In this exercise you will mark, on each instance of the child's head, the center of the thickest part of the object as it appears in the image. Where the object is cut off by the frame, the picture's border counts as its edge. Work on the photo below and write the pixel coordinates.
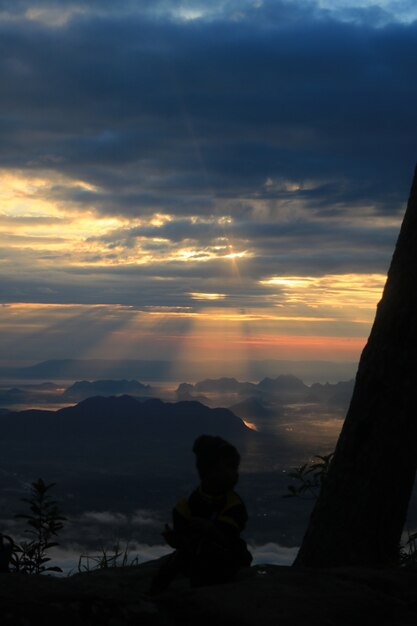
(217, 463)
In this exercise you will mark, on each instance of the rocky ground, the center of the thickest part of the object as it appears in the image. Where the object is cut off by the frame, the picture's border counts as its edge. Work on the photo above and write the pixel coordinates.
(264, 596)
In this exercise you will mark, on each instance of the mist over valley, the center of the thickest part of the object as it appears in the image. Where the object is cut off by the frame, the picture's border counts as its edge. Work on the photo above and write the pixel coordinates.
(119, 451)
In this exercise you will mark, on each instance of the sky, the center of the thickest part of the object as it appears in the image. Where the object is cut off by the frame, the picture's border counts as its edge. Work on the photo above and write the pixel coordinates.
(201, 180)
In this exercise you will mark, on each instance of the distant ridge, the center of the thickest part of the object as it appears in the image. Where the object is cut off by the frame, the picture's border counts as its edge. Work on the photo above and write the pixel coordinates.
(83, 389)
(284, 385)
(224, 385)
(165, 370)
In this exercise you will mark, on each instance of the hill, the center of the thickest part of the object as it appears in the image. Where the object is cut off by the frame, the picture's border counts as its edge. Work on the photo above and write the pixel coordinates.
(250, 399)
(122, 419)
(253, 409)
(338, 394)
(283, 384)
(224, 385)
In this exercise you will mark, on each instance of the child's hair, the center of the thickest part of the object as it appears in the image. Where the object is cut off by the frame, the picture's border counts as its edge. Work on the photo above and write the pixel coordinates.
(209, 450)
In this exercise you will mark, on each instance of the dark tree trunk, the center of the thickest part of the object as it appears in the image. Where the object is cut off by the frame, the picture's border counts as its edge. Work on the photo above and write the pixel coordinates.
(361, 511)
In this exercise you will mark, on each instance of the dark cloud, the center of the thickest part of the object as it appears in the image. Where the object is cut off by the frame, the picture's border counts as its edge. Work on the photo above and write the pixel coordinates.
(328, 233)
(157, 111)
(171, 284)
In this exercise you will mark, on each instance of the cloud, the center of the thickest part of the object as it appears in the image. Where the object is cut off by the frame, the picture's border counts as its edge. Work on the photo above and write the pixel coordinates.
(105, 517)
(152, 110)
(110, 518)
(273, 554)
(46, 12)
(154, 150)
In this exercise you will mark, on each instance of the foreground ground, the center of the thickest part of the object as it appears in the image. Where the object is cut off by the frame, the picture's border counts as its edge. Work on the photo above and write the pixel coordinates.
(263, 596)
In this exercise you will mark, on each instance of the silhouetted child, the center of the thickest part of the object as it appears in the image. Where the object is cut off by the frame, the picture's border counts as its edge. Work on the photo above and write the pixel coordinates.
(207, 525)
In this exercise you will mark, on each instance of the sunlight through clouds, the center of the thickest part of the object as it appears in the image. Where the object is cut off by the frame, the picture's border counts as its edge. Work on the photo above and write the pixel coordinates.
(180, 333)
(205, 177)
(207, 296)
(334, 291)
(44, 228)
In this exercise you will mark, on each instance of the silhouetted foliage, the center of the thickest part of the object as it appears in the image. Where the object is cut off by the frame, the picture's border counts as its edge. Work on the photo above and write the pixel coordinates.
(45, 521)
(408, 553)
(309, 477)
(117, 556)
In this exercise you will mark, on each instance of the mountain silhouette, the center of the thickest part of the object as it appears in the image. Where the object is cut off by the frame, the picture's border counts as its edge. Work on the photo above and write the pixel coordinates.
(253, 409)
(123, 419)
(83, 389)
(224, 385)
(338, 394)
(283, 384)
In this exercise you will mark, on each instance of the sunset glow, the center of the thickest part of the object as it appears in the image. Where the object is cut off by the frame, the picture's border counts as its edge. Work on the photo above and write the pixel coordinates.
(199, 206)
(156, 202)
(297, 316)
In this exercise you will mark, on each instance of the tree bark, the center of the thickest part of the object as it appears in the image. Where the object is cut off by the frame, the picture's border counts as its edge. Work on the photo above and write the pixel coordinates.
(360, 513)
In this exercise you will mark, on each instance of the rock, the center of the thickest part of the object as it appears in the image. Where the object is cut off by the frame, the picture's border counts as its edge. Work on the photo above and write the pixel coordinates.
(263, 595)
(359, 516)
